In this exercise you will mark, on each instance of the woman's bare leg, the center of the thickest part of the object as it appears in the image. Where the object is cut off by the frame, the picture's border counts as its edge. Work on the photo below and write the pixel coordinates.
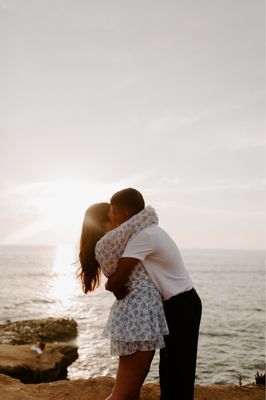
(131, 373)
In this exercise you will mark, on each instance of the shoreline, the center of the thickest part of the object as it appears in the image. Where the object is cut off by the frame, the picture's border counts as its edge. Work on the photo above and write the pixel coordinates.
(99, 388)
(17, 337)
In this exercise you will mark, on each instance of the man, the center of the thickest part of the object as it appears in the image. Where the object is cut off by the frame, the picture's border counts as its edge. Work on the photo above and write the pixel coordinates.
(155, 249)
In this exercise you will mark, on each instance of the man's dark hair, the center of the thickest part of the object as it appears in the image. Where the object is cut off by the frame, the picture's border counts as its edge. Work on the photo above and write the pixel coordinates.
(130, 199)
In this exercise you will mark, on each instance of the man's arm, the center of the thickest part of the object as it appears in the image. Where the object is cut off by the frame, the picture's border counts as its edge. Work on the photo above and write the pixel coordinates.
(136, 250)
(119, 278)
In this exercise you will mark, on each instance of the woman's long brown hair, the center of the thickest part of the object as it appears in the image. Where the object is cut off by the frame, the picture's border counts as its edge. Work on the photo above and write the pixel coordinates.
(92, 231)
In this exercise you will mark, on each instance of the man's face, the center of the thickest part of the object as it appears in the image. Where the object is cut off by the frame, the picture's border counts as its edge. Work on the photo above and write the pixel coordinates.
(118, 215)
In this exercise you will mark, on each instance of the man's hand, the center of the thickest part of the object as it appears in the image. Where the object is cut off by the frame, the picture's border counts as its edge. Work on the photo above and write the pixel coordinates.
(116, 283)
(121, 293)
(120, 277)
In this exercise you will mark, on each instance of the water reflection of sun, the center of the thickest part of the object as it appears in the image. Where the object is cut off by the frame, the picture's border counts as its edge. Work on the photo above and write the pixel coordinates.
(64, 282)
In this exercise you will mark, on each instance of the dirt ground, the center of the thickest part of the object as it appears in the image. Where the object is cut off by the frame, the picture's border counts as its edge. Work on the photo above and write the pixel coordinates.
(99, 388)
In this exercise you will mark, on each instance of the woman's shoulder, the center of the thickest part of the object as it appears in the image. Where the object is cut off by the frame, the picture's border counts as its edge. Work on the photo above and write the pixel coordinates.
(107, 239)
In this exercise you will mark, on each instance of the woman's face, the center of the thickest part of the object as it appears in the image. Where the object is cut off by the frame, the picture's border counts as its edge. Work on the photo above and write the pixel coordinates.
(108, 226)
(118, 216)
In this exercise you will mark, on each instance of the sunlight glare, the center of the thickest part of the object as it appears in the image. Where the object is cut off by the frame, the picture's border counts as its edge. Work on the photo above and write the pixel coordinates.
(64, 283)
(59, 207)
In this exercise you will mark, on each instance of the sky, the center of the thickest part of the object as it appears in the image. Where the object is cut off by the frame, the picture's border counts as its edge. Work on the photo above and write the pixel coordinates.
(164, 96)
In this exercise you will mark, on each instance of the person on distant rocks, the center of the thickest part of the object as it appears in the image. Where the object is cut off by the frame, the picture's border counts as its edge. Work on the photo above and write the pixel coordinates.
(137, 323)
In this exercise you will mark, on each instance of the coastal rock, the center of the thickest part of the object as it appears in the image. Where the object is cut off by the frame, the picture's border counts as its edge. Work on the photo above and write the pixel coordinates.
(99, 388)
(30, 331)
(25, 364)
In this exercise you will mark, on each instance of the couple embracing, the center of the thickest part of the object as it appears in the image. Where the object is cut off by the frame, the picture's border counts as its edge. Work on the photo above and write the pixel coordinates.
(156, 304)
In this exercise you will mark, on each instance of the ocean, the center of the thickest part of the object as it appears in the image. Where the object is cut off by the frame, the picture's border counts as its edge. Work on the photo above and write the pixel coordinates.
(39, 282)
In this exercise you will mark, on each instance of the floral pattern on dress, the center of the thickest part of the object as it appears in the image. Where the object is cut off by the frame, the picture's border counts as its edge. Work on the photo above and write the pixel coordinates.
(136, 322)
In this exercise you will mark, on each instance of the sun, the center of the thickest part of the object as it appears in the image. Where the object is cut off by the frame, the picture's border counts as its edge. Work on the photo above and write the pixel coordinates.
(59, 207)
(61, 200)
(62, 204)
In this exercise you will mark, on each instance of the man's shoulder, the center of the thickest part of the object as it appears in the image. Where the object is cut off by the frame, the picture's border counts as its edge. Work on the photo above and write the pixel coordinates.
(150, 231)
(156, 229)
(144, 234)
(157, 234)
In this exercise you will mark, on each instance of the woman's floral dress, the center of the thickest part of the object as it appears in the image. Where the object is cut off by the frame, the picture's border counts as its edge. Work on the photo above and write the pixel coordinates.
(136, 322)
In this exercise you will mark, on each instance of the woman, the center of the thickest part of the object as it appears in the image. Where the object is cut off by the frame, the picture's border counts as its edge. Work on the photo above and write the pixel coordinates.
(137, 323)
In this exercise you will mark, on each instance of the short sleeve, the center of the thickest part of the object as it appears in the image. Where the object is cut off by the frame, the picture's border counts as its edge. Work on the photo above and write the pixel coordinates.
(139, 247)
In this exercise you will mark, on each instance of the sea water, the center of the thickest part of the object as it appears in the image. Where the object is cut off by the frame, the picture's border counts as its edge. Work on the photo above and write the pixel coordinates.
(39, 282)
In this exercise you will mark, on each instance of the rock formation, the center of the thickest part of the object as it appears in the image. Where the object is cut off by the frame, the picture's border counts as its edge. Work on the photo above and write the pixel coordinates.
(24, 363)
(31, 331)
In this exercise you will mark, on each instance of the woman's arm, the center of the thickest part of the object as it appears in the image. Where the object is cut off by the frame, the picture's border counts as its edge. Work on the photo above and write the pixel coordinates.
(110, 247)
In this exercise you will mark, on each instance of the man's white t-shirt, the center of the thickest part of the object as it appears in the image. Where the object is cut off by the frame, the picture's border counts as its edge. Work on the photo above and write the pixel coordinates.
(162, 260)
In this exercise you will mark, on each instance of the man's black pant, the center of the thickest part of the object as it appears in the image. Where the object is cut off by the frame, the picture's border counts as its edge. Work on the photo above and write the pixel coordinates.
(178, 358)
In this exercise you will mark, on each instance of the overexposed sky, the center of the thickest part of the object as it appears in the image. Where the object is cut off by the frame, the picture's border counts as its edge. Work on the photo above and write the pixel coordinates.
(164, 96)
